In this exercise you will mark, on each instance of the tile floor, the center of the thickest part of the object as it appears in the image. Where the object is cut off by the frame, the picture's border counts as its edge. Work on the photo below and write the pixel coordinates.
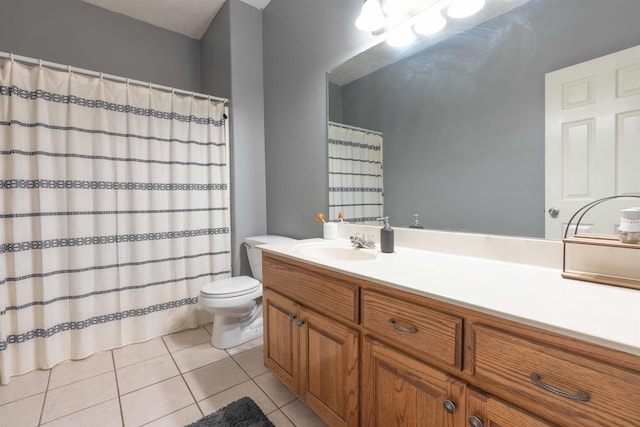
(168, 381)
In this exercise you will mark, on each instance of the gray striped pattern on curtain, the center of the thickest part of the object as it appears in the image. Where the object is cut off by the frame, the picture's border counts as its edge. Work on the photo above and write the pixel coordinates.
(355, 174)
(115, 211)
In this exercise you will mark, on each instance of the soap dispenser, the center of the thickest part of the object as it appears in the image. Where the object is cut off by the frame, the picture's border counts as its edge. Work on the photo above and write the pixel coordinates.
(386, 236)
(416, 222)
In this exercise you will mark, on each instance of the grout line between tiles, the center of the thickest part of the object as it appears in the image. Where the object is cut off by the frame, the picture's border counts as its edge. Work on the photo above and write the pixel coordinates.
(265, 392)
(115, 373)
(86, 407)
(183, 380)
(183, 348)
(221, 391)
(286, 416)
(147, 385)
(166, 415)
(255, 383)
(44, 400)
(79, 410)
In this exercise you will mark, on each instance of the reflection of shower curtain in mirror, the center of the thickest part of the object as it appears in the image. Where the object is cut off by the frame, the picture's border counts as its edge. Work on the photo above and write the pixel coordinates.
(114, 211)
(355, 174)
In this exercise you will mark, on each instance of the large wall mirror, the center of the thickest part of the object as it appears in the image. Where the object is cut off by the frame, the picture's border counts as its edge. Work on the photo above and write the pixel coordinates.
(462, 116)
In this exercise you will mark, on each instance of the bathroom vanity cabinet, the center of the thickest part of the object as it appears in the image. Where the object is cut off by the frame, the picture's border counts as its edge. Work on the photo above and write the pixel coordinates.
(315, 355)
(363, 353)
(401, 390)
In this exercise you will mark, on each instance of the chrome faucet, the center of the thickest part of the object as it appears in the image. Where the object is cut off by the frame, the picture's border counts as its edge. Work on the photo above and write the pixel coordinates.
(363, 241)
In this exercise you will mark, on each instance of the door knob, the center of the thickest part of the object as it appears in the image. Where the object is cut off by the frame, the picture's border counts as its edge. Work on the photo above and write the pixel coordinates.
(553, 212)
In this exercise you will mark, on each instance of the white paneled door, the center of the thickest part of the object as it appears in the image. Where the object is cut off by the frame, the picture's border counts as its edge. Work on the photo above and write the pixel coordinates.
(592, 141)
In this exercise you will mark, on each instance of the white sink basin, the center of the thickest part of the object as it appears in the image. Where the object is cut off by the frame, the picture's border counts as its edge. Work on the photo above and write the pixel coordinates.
(334, 252)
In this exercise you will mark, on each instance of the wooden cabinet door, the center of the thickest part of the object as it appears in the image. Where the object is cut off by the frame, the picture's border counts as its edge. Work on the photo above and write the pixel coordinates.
(487, 411)
(329, 366)
(281, 339)
(398, 390)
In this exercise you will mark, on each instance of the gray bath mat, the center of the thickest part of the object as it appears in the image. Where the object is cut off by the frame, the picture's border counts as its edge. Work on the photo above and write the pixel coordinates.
(241, 413)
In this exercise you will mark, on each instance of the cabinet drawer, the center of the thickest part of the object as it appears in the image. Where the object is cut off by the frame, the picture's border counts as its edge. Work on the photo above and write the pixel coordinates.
(328, 295)
(553, 380)
(414, 327)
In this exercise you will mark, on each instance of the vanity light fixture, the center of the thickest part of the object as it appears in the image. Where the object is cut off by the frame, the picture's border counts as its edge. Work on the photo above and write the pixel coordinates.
(402, 19)
(397, 7)
(463, 8)
(429, 22)
(401, 36)
(371, 16)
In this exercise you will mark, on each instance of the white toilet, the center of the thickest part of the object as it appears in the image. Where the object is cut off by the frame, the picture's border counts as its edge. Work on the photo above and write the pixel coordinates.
(236, 302)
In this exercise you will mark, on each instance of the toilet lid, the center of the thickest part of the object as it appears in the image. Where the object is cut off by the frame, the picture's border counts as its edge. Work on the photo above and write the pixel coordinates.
(231, 287)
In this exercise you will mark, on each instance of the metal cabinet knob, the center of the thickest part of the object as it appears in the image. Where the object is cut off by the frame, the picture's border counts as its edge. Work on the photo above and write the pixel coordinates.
(475, 421)
(300, 322)
(449, 406)
(553, 212)
(292, 316)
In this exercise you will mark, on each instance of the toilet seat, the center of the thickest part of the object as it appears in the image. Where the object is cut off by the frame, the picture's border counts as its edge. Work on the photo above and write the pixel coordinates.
(230, 288)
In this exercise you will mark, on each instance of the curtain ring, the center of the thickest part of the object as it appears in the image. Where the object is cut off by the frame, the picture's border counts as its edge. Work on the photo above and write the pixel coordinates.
(101, 76)
(40, 62)
(12, 59)
(69, 68)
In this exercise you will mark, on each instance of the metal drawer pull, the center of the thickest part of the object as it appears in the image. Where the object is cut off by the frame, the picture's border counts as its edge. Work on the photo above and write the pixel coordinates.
(411, 329)
(581, 395)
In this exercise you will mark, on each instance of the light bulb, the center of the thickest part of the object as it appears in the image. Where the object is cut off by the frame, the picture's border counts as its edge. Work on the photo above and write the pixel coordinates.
(398, 7)
(401, 37)
(464, 8)
(371, 17)
(429, 23)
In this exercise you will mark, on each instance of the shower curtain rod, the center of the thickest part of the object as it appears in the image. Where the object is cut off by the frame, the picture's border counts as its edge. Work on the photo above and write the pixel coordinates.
(356, 128)
(69, 68)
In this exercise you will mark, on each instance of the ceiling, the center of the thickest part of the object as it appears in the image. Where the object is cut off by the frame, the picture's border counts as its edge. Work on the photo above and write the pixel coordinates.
(188, 17)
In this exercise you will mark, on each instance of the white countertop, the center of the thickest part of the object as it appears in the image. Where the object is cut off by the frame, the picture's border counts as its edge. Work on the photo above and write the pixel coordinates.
(537, 296)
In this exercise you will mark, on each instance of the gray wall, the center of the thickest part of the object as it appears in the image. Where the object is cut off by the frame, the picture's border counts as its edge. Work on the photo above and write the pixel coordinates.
(215, 55)
(232, 64)
(480, 124)
(74, 33)
(303, 40)
(335, 103)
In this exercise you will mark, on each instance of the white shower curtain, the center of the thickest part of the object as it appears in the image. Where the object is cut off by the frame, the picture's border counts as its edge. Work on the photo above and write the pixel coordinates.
(114, 209)
(355, 174)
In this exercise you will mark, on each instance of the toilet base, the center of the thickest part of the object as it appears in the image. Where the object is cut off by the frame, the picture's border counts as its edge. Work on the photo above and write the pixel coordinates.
(232, 331)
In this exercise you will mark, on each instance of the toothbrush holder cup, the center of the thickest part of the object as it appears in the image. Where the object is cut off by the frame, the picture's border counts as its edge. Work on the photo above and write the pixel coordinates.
(330, 230)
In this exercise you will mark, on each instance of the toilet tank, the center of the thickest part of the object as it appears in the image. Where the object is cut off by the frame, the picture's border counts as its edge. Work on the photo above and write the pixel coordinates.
(255, 254)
